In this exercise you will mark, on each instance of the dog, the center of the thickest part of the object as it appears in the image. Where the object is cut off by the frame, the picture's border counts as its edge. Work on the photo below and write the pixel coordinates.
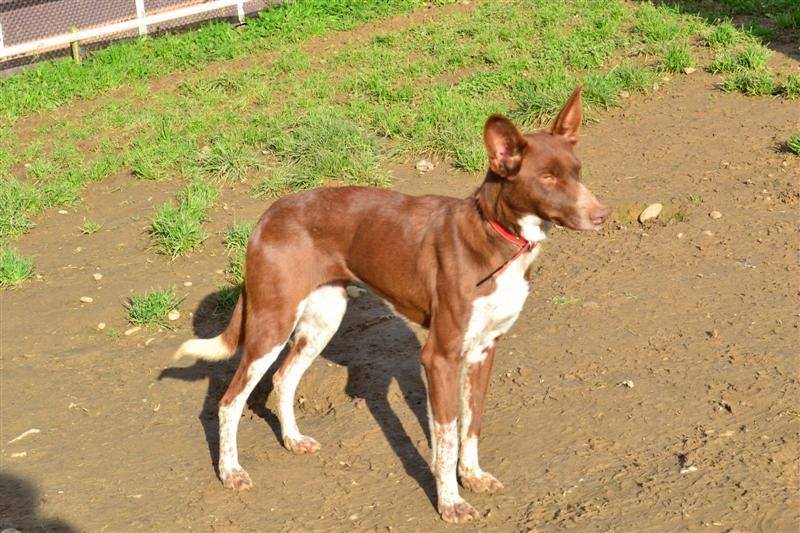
(458, 267)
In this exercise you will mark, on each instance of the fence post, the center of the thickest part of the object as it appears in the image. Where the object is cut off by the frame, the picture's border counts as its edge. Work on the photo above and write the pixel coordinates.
(75, 47)
(140, 15)
(240, 10)
(1, 41)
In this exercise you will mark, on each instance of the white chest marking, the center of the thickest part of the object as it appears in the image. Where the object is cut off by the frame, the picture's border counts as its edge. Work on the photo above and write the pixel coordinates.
(493, 314)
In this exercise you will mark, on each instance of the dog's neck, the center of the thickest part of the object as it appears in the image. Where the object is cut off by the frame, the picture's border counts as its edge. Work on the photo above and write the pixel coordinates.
(491, 204)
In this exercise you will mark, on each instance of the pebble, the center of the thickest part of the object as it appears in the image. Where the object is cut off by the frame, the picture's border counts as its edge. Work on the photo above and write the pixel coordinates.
(688, 469)
(354, 291)
(627, 383)
(187, 283)
(423, 165)
(97, 276)
(708, 233)
(131, 331)
(11, 530)
(715, 214)
(624, 94)
(174, 315)
(62, 212)
(680, 235)
(19, 454)
(87, 299)
(101, 326)
(650, 212)
(689, 70)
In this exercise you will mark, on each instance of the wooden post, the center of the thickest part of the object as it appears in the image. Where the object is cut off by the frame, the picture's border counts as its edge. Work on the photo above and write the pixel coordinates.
(140, 14)
(75, 46)
(240, 11)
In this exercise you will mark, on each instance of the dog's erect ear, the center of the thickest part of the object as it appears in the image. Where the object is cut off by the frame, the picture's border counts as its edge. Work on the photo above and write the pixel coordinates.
(568, 122)
(504, 144)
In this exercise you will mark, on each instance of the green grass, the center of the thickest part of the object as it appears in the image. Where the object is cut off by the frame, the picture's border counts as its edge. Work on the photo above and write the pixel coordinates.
(151, 308)
(299, 120)
(750, 82)
(52, 84)
(236, 245)
(88, 227)
(790, 87)
(677, 57)
(176, 230)
(794, 143)
(14, 268)
(750, 57)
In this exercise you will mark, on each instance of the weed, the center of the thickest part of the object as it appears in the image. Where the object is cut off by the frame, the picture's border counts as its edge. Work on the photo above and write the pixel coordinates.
(177, 230)
(323, 145)
(237, 237)
(14, 268)
(634, 78)
(226, 160)
(88, 227)
(724, 35)
(563, 300)
(794, 143)
(790, 88)
(676, 57)
(151, 308)
(749, 82)
(695, 198)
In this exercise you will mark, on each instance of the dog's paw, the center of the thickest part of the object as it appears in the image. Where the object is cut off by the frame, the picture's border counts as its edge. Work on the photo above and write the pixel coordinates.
(236, 479)
(481, 482)
(302, 445)
(458, 512)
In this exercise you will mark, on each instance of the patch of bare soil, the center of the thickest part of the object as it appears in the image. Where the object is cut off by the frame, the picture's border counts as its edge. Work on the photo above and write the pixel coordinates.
(658, 391)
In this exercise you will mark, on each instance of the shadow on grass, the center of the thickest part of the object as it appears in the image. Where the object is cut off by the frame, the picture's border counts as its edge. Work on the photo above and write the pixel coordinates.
(376, 347)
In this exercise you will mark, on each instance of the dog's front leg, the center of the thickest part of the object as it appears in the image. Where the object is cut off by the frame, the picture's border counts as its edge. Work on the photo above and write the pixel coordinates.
(441, 371)
(475, 376)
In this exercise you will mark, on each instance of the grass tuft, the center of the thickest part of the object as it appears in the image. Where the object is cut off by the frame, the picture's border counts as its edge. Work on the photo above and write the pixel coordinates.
(151, 308)
(794, 143)
(88, 227)
(677, 56)
(750, 82)
(14, 268)
(790, 88)
(178, 230)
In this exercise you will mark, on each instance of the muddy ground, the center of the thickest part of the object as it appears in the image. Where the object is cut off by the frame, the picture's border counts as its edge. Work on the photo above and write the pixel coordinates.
(697, 315)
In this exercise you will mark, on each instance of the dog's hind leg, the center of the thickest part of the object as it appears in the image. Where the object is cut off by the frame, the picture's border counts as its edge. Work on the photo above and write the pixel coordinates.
(323, 312)
(266, 333)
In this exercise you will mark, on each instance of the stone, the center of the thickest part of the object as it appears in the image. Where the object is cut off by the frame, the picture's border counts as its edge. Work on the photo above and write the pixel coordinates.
(174, 315)
(87, 299)
(650, 212)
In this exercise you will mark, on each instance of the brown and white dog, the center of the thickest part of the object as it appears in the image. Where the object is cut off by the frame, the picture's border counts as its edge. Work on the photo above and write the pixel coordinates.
(456, 266)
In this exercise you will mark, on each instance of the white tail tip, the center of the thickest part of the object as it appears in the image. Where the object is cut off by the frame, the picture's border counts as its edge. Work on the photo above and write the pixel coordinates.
(206, 349)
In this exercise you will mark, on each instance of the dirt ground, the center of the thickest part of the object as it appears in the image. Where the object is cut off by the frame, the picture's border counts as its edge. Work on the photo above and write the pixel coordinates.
(650, 384)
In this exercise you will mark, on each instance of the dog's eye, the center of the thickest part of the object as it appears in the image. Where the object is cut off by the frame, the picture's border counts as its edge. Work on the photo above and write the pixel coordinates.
(547, 179)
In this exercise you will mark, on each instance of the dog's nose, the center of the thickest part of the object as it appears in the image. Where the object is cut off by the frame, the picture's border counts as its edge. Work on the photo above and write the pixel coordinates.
(598, 215)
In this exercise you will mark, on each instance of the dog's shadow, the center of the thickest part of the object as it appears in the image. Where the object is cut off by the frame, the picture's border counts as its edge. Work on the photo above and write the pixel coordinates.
(375, 346)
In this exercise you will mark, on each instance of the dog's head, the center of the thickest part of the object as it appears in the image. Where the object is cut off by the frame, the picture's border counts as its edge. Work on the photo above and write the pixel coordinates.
(539, 171)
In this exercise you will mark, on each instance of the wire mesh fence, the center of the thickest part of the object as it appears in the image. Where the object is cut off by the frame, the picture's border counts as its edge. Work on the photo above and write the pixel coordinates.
(32, 30)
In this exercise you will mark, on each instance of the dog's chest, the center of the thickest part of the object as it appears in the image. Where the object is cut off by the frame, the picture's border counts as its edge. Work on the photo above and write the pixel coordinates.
(493, 314)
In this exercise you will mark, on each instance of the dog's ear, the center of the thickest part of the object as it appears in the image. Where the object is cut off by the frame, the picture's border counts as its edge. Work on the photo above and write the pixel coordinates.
(504, 144)
(568, 122)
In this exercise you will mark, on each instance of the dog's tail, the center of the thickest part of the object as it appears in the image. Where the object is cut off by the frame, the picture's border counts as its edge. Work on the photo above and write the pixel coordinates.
(223, 345)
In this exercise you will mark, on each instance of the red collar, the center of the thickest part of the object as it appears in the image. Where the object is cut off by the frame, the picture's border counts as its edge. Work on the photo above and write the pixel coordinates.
(523, 245)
